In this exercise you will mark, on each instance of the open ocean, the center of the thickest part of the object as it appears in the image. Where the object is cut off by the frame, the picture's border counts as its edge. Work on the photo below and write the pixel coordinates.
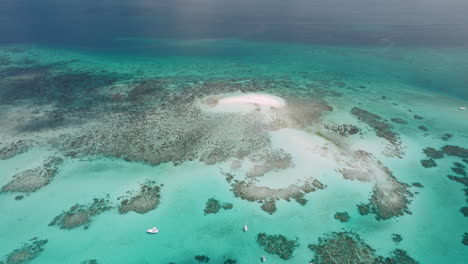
(333, 130)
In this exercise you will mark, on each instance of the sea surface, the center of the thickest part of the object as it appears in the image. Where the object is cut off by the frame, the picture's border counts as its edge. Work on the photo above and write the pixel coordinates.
(331, 129)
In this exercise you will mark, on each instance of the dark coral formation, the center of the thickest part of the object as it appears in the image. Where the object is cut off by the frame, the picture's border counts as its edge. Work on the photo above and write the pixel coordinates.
(455, 151)
(398, 256)
(34, 179)
(428, 163)
(230, 261)
(145, 200)
(382, 129)
(343, 247)
(417, 184)
(464, 211)
(267, 196)
(348, 247)
(202, 258)
(433, 153)
(277, 244)
(363, 209)
(89, 261)
(462, 180)
(465, 239)
(81, 215)
(399, 121)
(418, 117)
(27, 252)
(397, 238)
(446, 136)
(343, 130)
(213, 206)
(423, 128)
(459, 171)
(342, 216)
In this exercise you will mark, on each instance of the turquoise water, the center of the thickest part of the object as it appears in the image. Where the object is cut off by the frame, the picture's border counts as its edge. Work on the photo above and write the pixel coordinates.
(412, 81)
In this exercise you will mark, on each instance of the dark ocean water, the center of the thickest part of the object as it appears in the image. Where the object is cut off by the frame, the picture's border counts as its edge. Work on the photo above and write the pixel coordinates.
(94, 24)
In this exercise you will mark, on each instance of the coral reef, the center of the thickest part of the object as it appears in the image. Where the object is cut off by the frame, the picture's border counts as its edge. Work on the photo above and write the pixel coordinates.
(33, 179)
(27, 252)
(250, 192)
(89, 261)
(348, 247)
(277, 244)
(390, 198)
(202, 258)
(428, 163)
(213, 206)
(465, 239)
(343, 247)
(8, 151)
(446, 136)
(342, 216)
(399, 121)
(145, 200)
(81, 215)
(455, 151)
(343, 130)
(423, 128)
(397, 238)
(433, 153)
(382, 129)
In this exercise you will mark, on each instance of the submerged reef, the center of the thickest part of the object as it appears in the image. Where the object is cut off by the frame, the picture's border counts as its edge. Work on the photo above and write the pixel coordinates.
(230, 261)
(348, 247)
(27, 252)
(34, 179)
(213, 206)
(344, 130)
(399, 121)
(277, 244)
(342, 216)
(397, 238)
(8, 151)
(428, 163)
(465, 239)
(145, 200)
(455, 151)
(276, 160)
(390, 198)
(433, 153)
(382, 129)
(267, 196)
(89, 261)
(81, 215)
(343, 247)
(202, 258)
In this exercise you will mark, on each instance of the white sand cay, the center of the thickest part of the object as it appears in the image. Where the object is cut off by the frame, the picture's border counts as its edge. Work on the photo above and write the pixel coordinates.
(243, 102)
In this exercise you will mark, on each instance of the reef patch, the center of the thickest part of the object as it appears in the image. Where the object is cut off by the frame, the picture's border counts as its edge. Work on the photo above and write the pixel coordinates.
(267, 196)
(348, 247)
(27, 252)
(147, 199)
(34, 179)
(382, 129)
(81, 215)
(213, 206)
(342, 216)
(277, 244)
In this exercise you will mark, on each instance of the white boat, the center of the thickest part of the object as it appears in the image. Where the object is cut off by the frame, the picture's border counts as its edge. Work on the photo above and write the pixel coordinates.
(246, 228)
(462, 108)
(263, 258)
(153, 230)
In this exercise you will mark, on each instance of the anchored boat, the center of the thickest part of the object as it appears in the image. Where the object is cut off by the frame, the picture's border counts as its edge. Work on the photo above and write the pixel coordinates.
(153, 230)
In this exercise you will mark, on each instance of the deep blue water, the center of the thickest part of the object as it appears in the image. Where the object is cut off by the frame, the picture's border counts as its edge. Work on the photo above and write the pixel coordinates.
(94, 24)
